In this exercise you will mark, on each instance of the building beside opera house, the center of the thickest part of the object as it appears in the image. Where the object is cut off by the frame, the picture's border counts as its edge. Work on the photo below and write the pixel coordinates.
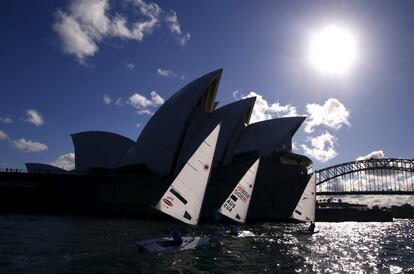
(119, 175)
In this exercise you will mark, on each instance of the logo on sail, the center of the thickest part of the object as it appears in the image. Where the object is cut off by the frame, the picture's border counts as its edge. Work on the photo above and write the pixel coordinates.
(167, 201)
(241, 193)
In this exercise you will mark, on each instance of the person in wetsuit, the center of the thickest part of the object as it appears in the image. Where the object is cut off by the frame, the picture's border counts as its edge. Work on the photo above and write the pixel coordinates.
(176, 235)
(311, 228)
(234, 230)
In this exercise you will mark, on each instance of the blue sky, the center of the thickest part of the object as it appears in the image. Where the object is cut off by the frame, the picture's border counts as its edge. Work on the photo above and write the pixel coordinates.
(60, 59)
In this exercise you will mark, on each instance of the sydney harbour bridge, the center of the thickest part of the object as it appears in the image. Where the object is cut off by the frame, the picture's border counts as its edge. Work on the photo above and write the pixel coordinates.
(367, 177)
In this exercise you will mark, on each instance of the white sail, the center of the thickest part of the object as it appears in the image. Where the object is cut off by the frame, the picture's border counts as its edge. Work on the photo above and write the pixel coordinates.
(236, 205)
(184, 197)
(305, 210)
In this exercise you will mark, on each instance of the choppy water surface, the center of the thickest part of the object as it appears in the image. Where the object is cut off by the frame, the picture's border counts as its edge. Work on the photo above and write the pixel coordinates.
(67, 244)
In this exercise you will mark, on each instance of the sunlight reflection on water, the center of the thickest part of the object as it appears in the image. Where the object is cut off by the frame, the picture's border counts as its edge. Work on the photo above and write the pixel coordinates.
(65, 244)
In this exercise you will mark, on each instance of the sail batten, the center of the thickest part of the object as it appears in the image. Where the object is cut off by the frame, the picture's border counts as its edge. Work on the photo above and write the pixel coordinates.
(237, 204)
(184, 198)
(305, 209)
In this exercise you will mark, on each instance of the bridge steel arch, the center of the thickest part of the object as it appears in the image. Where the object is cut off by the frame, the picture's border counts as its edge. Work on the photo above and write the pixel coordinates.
(390, 168)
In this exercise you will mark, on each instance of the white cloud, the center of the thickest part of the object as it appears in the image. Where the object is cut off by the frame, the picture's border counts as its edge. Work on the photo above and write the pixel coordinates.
(295, 147)
(85, 23)
(332, 114)
(75, 40)
(130, 66)
(264, 111)
(106, 99)
(175, 28)
(6, 120)
(379, 154)
(166, 73)
(142, 103)
(28, 145)
(322, 147)
(156, 98)
(34, 117)
(3, 135)
(139, 101)
(65, 161)
(119, 102)
(145, 111)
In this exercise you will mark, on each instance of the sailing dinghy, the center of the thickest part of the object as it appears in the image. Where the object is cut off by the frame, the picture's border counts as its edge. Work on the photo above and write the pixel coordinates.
(305, 209)
(237, 204)
(184, 198)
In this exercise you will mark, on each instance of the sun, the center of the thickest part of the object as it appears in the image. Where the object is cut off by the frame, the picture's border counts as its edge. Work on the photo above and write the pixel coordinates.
(333, 50)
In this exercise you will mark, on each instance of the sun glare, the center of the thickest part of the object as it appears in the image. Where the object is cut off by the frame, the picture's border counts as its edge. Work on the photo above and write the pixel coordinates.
(333, 50)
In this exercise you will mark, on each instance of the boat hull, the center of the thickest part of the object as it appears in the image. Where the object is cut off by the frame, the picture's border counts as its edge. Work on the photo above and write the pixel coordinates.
(164, 244)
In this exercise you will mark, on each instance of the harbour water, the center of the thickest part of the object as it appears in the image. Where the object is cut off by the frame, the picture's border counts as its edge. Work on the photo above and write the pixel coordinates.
(72, 244)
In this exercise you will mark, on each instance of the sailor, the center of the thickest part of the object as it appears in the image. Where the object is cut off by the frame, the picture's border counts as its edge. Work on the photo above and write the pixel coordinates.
(176, 235)
(311, 228)
(234, 230)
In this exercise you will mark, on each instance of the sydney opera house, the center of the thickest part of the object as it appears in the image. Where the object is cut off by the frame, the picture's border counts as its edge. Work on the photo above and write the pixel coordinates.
(116, 174)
